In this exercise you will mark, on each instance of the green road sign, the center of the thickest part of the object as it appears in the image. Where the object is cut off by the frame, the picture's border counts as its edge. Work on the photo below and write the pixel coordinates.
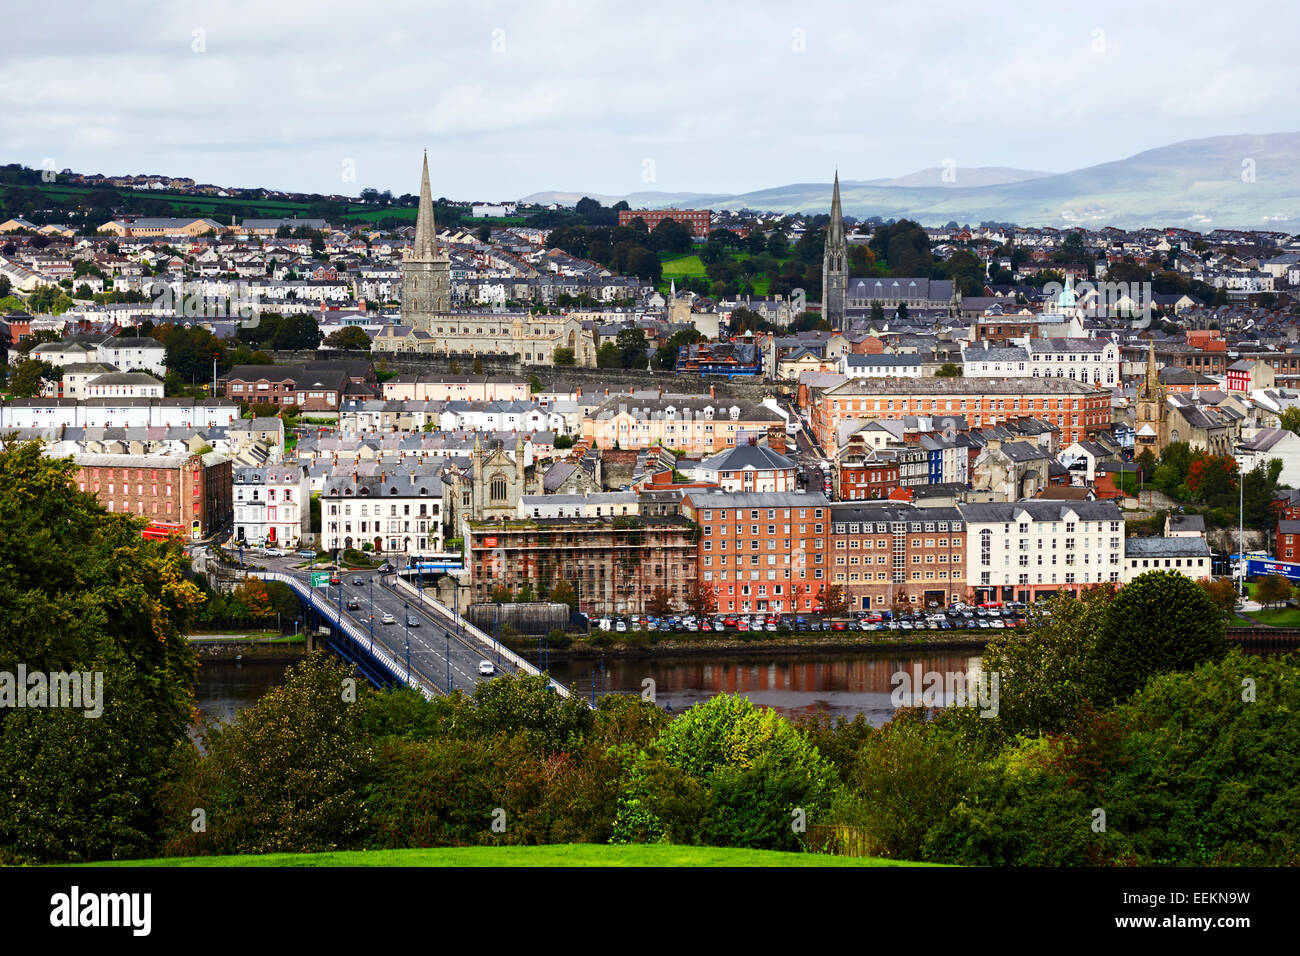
(320, 579)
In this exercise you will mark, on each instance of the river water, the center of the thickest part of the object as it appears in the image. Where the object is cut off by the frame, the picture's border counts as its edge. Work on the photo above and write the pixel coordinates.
(841, 684)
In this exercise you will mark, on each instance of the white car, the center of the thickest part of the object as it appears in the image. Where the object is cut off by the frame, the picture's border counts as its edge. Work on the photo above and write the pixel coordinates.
(389, 619)
(486, 668)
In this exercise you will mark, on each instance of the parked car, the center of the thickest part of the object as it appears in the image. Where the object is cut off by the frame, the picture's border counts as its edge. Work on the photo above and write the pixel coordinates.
(621, 626)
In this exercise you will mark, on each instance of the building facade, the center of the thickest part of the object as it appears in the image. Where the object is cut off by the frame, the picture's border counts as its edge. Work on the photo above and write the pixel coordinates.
(890, 555)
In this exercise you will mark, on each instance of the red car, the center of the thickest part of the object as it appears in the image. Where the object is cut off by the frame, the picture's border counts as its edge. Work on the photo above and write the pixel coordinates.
(335, 579)
(838, 626)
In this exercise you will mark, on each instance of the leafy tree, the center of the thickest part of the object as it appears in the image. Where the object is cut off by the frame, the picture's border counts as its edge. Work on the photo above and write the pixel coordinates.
(297, 333)
(1162, 621)
(1290, 419)
(286, 776)
(563, 593)
(563, 441)
(1044, 677)
(660, 603)
(350, 338)
(699, 599)
(757, 767)
(609, 356)
(564, 356)
(1222, 592)
(948, 370)
(28, 377)
(666, 357)
(834, 600)
(534, 384)
(631, 348)
(1273, 589)
(80, 590)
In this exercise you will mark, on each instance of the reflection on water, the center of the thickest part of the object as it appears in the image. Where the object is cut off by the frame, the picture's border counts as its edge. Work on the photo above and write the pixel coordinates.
(227, 687)
(841, 686)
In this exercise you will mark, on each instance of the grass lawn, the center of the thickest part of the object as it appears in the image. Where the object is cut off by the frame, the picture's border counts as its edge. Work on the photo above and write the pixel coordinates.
(1277, 617)
(690, 267)
(580, 854)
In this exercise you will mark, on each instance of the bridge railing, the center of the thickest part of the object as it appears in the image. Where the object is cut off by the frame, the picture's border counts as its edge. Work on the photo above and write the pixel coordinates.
(359, 637)
(469, 629)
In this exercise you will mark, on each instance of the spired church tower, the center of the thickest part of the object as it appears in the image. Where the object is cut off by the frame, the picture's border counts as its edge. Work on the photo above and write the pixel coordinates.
(835, 265)
(1151, 415)
(426, 269)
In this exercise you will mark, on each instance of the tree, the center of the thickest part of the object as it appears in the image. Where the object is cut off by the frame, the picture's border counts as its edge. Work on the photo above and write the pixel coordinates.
(948, 370)
(1160, 622)
(1222, 592)
(1044, 667)
(660, 603)
(834, 600)
(28, 377)
(297, 333)
(1290, 419)
(631, 348)
(877, 312)
(5, 286)
(563, 356)
(1273, 589)
(84, 592)
(666, 357)
(454, 367)
(563, 593)
(351, 338)
(563, 441)
(757, 768)
(700, 600)
(534, 384)
(608, 356)
(286, 776)
(477, 368)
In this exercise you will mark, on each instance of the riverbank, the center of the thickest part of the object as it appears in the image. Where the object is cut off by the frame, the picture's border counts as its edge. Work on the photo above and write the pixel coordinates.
(835, 643)
(263, 646)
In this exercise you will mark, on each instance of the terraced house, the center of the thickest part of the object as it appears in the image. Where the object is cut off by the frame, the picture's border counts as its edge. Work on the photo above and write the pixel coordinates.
(696, 424)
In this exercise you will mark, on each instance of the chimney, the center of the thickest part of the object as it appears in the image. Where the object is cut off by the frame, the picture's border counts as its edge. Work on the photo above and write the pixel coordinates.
(383, 477)
(607, 393)
(711, 393)
(580, 391)
(354, 477)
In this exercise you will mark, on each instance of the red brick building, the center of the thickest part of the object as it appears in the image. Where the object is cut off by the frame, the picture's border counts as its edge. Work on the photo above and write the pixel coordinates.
(887, 554)
(697, 220)
(192, 490)
(762, 552)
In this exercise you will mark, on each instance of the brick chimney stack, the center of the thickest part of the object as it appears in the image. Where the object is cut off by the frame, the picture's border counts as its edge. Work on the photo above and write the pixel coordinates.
(776, 439)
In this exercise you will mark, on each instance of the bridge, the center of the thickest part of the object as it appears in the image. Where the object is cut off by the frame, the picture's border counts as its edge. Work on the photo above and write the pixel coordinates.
(428, 646)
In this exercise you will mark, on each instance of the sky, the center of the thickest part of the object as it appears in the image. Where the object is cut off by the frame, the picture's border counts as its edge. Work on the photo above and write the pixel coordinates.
(622, 97)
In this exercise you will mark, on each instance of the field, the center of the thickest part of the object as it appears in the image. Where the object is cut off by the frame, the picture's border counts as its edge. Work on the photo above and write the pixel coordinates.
(580, 854)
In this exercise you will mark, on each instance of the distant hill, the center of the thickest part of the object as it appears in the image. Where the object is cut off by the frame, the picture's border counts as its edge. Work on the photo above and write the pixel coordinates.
(646, 200)
(1196, 184)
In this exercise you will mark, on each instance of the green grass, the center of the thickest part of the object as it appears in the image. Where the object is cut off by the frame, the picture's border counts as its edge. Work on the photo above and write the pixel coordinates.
(580, 854)
(1277, 617)
(684, 267)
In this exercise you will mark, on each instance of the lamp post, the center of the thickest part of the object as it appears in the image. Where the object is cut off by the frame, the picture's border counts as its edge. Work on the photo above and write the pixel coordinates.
(407, 617)
(447, 634)
(1241, 534)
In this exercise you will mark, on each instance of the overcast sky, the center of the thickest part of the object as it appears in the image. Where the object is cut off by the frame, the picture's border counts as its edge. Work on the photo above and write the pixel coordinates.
(705, 96)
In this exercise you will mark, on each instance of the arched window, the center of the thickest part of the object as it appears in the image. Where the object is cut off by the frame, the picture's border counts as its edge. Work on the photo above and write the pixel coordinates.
(498, 492)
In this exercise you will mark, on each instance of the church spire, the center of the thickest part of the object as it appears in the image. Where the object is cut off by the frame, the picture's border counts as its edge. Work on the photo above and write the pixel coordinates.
(835, 232)
(425, 247)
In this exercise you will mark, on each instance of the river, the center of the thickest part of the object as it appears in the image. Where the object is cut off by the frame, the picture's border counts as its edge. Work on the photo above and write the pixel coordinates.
(840, 684)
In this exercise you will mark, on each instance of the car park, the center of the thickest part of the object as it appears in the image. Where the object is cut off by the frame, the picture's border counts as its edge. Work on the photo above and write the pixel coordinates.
(621, 626)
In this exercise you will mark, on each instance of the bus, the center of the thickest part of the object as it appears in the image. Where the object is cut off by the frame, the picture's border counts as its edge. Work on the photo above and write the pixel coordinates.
(162, 530)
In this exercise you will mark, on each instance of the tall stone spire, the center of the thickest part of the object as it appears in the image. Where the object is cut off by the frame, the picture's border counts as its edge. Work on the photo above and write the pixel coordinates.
(426, 270)
(425, 247)
(835, 261)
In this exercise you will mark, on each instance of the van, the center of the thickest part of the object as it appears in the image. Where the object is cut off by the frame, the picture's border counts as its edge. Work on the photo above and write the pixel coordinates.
(604, 624)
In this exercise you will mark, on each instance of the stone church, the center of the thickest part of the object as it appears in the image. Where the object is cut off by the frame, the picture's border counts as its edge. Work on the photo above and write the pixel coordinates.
(1150, 410)
(430, 325)
(835, 264)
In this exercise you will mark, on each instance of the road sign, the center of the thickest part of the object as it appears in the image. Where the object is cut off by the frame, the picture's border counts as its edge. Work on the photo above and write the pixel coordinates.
(320, 579)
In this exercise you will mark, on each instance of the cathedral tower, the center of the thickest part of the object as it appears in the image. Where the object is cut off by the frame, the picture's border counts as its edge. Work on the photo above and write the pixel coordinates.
(835, 264)
(426, 269)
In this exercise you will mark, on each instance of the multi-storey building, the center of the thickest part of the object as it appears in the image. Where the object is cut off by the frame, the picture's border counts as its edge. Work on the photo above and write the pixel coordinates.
(399, 512)
(696, 424)
(1020, 550)
(448, 388)
(269, 506)
(615, 564)
(761, 552)
(1095, 361)
(749, 467)
(886, 554)
(1077, 409)
(697, 220)
(191, 490)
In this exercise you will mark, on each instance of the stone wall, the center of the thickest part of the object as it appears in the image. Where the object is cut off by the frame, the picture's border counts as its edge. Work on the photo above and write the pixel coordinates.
(591, 379)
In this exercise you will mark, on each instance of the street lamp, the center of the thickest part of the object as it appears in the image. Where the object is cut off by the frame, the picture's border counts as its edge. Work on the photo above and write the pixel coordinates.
(447, 651)
(407, 617)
